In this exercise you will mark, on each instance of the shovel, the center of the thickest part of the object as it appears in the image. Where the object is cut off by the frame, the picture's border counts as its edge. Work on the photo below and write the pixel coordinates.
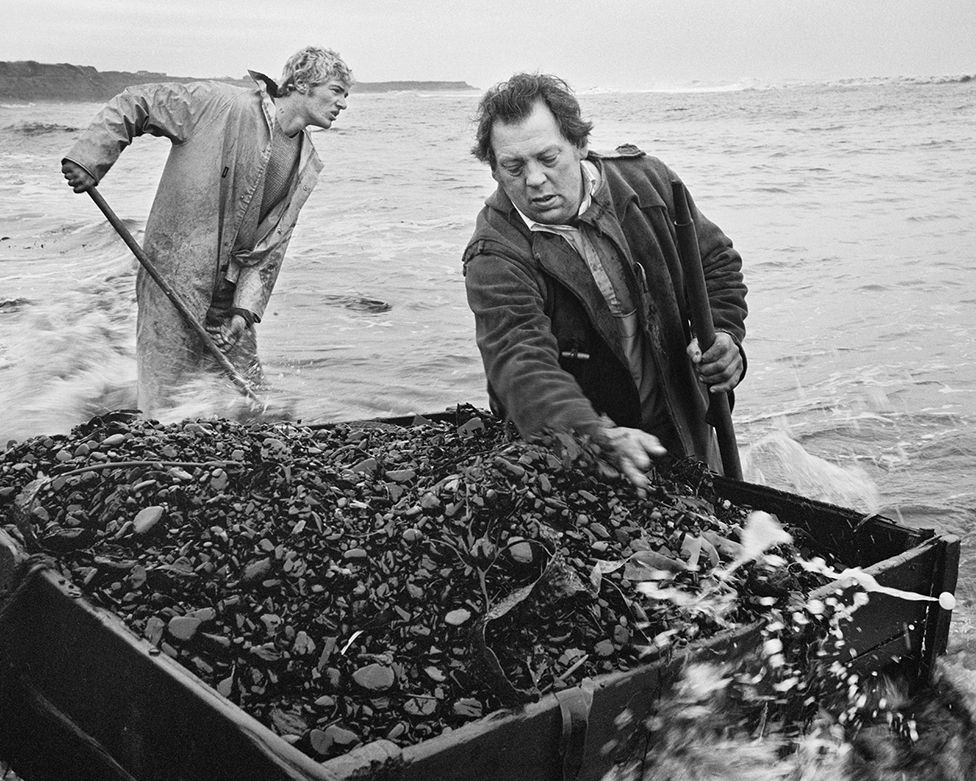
(701, 316)
(241, 384)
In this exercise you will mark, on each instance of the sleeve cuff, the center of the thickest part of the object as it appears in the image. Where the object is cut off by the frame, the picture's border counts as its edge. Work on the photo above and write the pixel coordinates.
(247, 314)
(84, 168)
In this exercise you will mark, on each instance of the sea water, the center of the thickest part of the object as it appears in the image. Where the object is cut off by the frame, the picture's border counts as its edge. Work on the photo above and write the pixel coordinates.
(851, 203)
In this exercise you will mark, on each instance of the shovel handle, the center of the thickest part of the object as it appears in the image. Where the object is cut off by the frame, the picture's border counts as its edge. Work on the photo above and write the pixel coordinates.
(701, 316)
(241, 384)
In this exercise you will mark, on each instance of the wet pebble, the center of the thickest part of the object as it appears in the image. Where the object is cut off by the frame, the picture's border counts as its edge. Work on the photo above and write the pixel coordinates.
(375, 677)
(183, 627)
(147, 518)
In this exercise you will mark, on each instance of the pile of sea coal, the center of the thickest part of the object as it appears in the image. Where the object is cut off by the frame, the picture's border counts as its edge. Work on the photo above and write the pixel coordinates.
(365, 581)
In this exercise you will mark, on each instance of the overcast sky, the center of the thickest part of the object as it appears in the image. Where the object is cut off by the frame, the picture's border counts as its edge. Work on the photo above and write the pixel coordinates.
(614, 44)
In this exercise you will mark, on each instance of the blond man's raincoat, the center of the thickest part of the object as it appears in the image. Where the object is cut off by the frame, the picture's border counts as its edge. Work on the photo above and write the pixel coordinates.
(207, 203)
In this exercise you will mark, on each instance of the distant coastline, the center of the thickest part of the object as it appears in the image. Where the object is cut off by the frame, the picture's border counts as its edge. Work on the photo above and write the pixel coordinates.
(31, 82)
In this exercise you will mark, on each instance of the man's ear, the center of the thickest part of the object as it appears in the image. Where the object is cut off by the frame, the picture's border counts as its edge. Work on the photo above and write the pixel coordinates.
(584, 150)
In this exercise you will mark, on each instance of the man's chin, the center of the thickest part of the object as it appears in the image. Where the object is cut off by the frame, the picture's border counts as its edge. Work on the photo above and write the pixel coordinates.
(552, 216)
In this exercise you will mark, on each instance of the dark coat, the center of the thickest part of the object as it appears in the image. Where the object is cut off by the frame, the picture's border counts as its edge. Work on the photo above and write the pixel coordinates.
(538, 310)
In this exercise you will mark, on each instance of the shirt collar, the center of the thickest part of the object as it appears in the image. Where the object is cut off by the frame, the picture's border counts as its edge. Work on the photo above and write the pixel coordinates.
(591, 181)
(265, 82)
(267, 90)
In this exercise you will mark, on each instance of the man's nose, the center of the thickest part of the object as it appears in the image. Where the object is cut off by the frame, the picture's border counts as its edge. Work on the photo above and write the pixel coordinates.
(535, 175)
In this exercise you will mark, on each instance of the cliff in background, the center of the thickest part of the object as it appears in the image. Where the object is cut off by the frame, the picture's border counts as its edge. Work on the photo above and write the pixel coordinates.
(31, 81)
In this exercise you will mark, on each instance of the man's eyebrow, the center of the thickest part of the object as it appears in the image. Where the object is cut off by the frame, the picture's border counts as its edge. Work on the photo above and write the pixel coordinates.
(509, 159)
(512, 158)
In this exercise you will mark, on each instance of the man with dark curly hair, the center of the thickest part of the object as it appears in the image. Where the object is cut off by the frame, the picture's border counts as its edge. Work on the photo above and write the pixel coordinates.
(242, 165)
(576, 285)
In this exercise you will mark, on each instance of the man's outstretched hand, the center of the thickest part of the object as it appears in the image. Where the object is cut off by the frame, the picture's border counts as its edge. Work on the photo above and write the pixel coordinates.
(631, 451)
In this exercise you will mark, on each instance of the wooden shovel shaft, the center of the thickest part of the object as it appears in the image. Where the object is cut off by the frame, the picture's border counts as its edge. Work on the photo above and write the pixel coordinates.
(173, 296)
(701, 317)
